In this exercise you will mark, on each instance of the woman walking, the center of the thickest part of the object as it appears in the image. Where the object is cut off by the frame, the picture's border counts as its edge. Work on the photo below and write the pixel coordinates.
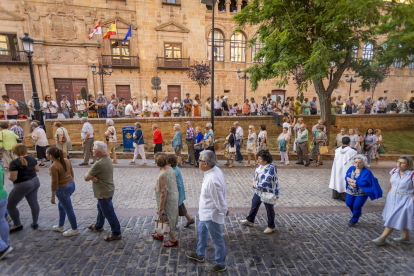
(92, 107)
(166, 194)
(399, 207)
(41, 142)
(25, 185)
(62, 139)
(369, 143)
(320, 140)
(139, 145)
(81, 107)
(230, 145)
(262, 138)
(63, 187)
(5, 247)
(177, 143)
(283, 140)
(110, 135)
(198, 145)
(157, 139)
(251, 146)
(266, 190)
(50, 108)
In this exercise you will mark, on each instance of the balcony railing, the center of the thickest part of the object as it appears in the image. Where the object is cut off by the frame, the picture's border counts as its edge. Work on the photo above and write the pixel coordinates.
(11, 57)
(121, 61)
(173, 63)
(172, 2)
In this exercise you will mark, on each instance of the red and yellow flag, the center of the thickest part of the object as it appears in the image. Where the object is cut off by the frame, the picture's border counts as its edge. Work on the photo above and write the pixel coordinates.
(111, 31)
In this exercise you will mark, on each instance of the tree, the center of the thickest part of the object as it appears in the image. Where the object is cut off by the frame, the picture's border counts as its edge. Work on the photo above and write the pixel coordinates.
(200, 73)
(372, 75)
(83, 93)
(310, 33)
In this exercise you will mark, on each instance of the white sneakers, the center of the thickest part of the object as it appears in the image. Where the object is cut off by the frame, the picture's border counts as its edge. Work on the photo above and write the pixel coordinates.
(269, 230)
(246, 222)
(67, 233)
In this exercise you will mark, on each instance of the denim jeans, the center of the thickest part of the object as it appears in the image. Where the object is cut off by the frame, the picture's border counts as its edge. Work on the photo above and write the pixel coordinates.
(204, 228)
(102, 112)
(276, 116)
(65, 113)
(239, 156)
(106, 211)
(256, 202)
(65, 205)
(355, 204)
(4, 226)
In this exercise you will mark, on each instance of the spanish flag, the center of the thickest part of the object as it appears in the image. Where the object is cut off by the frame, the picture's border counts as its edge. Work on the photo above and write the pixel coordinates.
(111, 31)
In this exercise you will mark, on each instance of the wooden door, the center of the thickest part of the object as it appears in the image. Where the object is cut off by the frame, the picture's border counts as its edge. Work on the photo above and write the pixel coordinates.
(69, 88)
(15, 92)
(279, 92)
(123, 91)
(174, 91)
(77, 85)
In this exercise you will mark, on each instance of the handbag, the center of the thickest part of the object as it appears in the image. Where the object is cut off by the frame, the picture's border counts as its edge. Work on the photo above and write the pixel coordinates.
(52, 115)
(64, 138)
(162, 226)
(71, 113)
(323, 149)
(382, 150)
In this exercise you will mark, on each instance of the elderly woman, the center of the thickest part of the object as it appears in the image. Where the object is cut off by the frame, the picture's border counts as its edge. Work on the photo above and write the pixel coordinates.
(246, 108)
(110, 135)
(361, 107)
(92, 107)
(267, 189)
(41, 142)
(208, 107)
(166, 194)
(399, 207)
(50, 108)
(375, 152)
(182, 210)
(7, 140)
(231, 147)
(283, 140)
(139, 145)
(177, 143)
(198, 144)
(251, 146)
(369, 142)
(360, 184)
(197, 104)
(262, 138)
(339, 136)
(62, 139)
(320, 140)
(209, 138)
(157, 139)
(81, 106)
(175, 108)
(120, 108)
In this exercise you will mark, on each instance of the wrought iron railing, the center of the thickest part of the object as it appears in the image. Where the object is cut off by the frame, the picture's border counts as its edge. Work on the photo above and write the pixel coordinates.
(121, 61)
(7, 56)
(173, 63)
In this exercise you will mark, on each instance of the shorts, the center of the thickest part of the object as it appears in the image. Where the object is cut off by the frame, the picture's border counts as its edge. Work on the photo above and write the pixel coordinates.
(182, 211)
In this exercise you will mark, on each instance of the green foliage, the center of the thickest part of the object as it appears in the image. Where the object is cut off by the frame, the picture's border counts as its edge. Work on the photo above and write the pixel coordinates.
(83, 93)
(371, 73)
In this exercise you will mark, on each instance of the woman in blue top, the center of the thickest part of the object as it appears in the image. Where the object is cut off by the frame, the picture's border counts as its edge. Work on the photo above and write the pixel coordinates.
(360, 184)
(182, 211)
(177, 143)
(198, 144)
(264, 181)
(5, 248)
(209, 138)
(139, 145)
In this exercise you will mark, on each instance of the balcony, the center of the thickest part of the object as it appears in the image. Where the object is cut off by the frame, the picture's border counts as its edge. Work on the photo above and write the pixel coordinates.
(120, 61)
(173, 63)
(172, 2)
(12, 57)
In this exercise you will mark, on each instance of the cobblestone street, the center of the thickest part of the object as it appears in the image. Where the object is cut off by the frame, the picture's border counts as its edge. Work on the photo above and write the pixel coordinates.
(312, 237)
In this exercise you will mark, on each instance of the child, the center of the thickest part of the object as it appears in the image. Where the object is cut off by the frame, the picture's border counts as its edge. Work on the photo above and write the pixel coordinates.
(2, 117)
(21, 116)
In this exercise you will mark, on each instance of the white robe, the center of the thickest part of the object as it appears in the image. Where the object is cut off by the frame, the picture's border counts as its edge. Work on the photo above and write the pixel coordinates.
(342, 162)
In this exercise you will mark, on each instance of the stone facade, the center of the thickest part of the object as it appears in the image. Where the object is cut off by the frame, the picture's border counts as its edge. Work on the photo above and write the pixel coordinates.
(62, 50)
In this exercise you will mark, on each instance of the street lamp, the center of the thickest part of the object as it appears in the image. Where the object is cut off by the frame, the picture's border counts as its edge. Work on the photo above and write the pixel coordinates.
(103, 73)
(245, 77)
(211, 3)
(332, 67)
(351, 80)
(27, 42)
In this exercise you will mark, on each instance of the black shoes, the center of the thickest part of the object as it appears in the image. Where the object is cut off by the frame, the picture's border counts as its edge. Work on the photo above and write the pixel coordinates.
(300, 163)
(83, 164)
(307, 164)
(189, 223)
(351, 223)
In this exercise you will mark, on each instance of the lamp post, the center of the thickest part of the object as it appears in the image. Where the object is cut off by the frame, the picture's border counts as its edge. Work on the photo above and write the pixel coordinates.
(332, 67)
(103, 73)
(27, 42)
(351, 80)
(211, 3)
(245, 77)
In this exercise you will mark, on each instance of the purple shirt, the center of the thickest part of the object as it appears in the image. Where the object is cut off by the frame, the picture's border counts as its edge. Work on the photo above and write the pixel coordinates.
(190, 134)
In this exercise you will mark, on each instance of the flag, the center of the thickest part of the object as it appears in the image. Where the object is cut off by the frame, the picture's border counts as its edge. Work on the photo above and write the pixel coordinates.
(111, 31)
(128, 34)
(96, 30)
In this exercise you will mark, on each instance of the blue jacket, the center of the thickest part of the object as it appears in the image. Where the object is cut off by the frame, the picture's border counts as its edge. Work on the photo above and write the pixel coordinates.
(177, 140)
(180, 185)
(366, 182)
(140, 137)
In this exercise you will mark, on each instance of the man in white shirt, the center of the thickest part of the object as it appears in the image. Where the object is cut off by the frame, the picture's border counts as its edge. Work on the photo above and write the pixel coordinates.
(253, 106)
(146, 107)
(239, 141)
(129, 111)
(87, 141)
(41, 142)
(212, 212)
(218, 106)
(385, 104)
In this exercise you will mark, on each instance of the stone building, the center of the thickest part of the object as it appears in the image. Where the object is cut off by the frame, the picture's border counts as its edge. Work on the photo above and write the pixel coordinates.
(167, 36)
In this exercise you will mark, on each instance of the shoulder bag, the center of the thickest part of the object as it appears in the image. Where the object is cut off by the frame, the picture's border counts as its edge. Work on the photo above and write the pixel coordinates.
(136, 144)
(323, 150)
(52, 115)
(64, 138)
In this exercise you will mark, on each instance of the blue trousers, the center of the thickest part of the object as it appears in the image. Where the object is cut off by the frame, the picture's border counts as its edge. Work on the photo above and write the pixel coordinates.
(65, 205)
(204, 228)
(239, 156)
(106, 211)
(256, 202)
(276, 116)
(355, 204)
(4, 226)
(102, 112)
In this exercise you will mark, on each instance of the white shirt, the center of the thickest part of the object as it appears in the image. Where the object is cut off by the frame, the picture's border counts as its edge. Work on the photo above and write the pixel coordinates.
(40, 134)
(50, 107)
(80, 104)
(146, 105)
(129, 110)
(239, 133)
(218, 104)
(379, 103)
(174, 105)
(253, 107)
(213, 205)
(155, 107)
(87, 127)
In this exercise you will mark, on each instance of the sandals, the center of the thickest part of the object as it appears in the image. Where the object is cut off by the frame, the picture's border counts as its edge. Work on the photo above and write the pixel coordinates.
(155, 236)
(143, 164)
(231, 166)
(93, 228)
(170, 243)
(112, 238)
(132, 162)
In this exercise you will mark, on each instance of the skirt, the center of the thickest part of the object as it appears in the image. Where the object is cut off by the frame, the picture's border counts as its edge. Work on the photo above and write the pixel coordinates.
(92, 114)
(41, 152)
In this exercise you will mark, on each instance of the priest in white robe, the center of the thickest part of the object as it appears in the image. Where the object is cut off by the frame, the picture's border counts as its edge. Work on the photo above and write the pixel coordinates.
(342, 162)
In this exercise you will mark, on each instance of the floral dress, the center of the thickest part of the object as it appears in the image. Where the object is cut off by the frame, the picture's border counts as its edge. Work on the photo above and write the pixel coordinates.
(167, 182)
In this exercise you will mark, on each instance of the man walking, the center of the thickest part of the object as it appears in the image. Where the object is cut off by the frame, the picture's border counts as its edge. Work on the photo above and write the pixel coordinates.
(189, 140)
(166, 106)
(102, 103)
(239, 141)
(102, 176)
(212, 212)
(87, 141)
(303, 145)
(314, 106)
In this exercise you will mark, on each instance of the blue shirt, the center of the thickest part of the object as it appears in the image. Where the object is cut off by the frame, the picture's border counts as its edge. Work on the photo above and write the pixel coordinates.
(180, 185)
(140, 137)
(177, 140)
(207, 135)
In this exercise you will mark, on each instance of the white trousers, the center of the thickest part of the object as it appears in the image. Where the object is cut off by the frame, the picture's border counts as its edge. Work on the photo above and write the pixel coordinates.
(284, 157)
(140, 149)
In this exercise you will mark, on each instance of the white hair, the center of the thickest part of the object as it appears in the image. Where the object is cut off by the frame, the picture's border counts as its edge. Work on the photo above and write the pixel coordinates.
(236, 123)
(362, 157)
(84, 119)
(33, 124)
(13, 122)
(100, 93)
(100, 146)
(113, 101)
(209, 125)
(177, 126)
(209, 157)
(109, 122)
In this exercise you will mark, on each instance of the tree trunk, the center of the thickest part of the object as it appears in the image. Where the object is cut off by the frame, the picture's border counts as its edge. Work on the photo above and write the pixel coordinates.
(200, 93)
(325, 105)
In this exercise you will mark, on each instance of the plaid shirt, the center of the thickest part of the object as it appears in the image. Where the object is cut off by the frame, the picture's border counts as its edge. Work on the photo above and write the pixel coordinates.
(190, 134)
(18, 131)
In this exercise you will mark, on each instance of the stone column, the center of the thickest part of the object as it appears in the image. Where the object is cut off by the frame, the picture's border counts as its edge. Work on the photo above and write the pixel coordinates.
(239, 4)
(228, 7)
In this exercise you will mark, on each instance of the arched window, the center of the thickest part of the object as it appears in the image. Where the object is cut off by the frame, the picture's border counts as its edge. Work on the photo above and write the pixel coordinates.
(368, 51)
(238, 47)
(218, 45)
(221, 5)
(255, 49)
(233, 6)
